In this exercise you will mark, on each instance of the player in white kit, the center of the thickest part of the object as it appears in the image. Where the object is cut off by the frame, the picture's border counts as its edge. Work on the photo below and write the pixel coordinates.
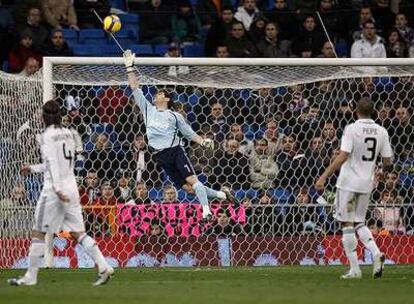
(361, 144)
(59, 203)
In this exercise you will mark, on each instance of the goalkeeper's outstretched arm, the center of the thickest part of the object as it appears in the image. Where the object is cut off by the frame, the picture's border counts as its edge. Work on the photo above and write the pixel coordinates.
(129, 59)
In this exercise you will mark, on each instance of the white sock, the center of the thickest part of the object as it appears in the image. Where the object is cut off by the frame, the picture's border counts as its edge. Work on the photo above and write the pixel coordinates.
(49, 237)
(212, 194)
(367, 239)
(36, 252)
(349, 241)
(93, 251)
(201, 194)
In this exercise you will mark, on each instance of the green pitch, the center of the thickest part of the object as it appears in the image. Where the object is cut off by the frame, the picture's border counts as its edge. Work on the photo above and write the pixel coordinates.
(215, 286)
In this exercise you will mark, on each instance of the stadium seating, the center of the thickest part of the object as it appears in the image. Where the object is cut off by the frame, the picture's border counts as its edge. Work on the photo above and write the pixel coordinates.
(196, 50)
(85, 50)
(119, 4)
(71, 36)
(92, 36)
(141, 49)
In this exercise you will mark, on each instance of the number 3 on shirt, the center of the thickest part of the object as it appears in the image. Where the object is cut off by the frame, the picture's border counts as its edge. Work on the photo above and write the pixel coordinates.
(371, 143)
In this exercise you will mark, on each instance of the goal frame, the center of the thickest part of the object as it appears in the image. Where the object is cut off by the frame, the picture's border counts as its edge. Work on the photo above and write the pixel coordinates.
(49, 62)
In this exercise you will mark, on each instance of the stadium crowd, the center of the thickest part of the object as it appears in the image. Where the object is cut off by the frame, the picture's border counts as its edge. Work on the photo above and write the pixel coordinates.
(270, 144)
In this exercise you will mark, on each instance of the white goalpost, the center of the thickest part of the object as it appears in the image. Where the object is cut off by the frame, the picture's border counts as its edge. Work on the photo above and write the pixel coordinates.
(300, 106)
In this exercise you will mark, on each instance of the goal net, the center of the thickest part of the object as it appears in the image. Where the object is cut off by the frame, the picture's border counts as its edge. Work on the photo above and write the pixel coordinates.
(276, 126)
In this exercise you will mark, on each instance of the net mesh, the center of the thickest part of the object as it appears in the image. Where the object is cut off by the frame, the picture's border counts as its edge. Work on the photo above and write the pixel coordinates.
(139, 219)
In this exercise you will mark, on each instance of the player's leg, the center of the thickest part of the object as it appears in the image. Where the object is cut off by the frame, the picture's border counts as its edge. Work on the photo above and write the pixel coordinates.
(365, 235)
(211, 193)
(345, 213)
(49, 237)
(201, 193)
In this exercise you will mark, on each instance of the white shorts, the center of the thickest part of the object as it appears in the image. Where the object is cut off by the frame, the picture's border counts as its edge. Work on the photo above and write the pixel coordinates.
(51, 214)
(351, 206)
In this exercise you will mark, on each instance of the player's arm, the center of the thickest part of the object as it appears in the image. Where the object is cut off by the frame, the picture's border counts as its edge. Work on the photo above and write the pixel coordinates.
(332, 168)
(189, 133)
(38, 168)
(52, 165)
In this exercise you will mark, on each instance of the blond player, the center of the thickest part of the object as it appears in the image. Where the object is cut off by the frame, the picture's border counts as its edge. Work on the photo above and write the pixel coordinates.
(59, 204)
(362, 143)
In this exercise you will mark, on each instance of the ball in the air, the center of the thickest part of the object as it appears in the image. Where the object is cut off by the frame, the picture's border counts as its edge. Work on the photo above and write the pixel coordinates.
(112, 24)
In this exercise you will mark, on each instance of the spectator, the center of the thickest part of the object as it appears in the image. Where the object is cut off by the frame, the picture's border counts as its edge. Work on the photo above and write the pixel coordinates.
(305, 6)
(247, 13)
(307, 125)
(86, 18)
(396, 46)
(33, 24)
(140, 195)
(57, 46)
(24, 50)
(30, 68)
(262, 106)
(90, 190)
(273, 137)
(270, 46)
(316, 156)
(155, 22)
(257, 29)
(334, 21)
(123, 190)
(402, 133)
(222, 51)
(383, 15)
(186, 26)
(224, 226)
(174, 51)
(157, 228)
(370, 45)
(401, 24)
(169, 195)
(384, 115)
(230, 167)
(329, 137)
(327, 51)
(238, 42)
(365, 15)
(219, 31)
(284, 18)
(263, 167)
(309, 41)
(389, 212)
(246, 145)
(217, 122)
(60, 14)
(210, 10)
(103, 211)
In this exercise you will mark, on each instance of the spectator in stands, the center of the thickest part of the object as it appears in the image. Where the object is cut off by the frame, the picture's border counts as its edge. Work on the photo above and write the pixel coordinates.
(396, 46)
(222, 51)
(210, 10)
(327, 51)
(401, 24)
(384, 115)
(169, 195)
(60, 14)
(262, 106)
(174, 51)
(230, 167)
(370, 45)
(86, 18)
(104, 209)
(334, 21)
(20, 53)
(157, 228)
(246, 145)
(284, 18)
(140, 195)
(238, 42)
(270, 46)
(273, 137)
(155, 22)
(186, 26)
(18, 197)
(224, 225)
(30, 68)
(384, 17)
(316, 156)
(217, 122)
(263, 167)
(104, 160)
(57, 46)
(389, 212)
(306, 126)
(90, 190)
(247, 13)
(201, 158)
(123, 190)
(33, 24)
(402, 133)
(267, 216)
(219, 31)
(257, 29)
(329, 137)
(365, 15)
(309, 41)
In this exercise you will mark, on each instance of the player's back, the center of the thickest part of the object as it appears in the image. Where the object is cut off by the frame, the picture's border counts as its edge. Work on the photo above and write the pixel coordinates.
(58, 150)
(364, 140)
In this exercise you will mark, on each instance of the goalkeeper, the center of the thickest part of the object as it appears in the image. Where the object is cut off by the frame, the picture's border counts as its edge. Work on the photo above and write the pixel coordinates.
(165, 128)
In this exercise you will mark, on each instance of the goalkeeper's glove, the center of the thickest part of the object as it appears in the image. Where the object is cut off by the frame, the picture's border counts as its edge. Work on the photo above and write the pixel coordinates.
(207, 143)
(129, 59)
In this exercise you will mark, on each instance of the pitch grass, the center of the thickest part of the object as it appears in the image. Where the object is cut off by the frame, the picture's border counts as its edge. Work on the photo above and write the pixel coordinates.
(285, 285)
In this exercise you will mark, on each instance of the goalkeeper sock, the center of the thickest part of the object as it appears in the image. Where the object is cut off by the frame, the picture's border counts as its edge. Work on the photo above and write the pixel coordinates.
(201, 194)
(36, 252)
(213, 194)
(349, 241)
(367, 239)
(93, 251)
(49, 238)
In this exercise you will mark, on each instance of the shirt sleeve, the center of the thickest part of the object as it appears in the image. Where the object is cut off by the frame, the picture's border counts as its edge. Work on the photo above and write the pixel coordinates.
(143, 103)
(346, 141)
(386, 150)
(52, 161)
(184, 127)
(38, 168)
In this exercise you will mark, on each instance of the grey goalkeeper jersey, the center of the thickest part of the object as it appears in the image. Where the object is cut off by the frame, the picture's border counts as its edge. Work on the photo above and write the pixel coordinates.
(163, 127)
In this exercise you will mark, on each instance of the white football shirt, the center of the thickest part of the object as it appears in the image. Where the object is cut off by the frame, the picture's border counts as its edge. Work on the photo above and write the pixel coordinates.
(364, 140)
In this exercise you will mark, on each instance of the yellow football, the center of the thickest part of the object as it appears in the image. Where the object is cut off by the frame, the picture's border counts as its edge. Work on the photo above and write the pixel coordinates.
(112, 24)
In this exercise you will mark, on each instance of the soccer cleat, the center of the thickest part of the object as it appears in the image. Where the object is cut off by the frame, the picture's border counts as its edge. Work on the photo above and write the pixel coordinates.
(21, 282)
(352, 275)
(229, 194)
(378, 266)
(104, 276)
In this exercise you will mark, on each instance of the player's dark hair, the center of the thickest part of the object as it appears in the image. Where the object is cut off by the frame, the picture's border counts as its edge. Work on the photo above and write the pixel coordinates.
(365, 107)
(51, 113)
(169, 95)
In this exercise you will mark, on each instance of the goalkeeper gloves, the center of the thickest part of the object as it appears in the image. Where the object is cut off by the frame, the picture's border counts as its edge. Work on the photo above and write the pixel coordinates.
(129, 59)
(207, 143)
